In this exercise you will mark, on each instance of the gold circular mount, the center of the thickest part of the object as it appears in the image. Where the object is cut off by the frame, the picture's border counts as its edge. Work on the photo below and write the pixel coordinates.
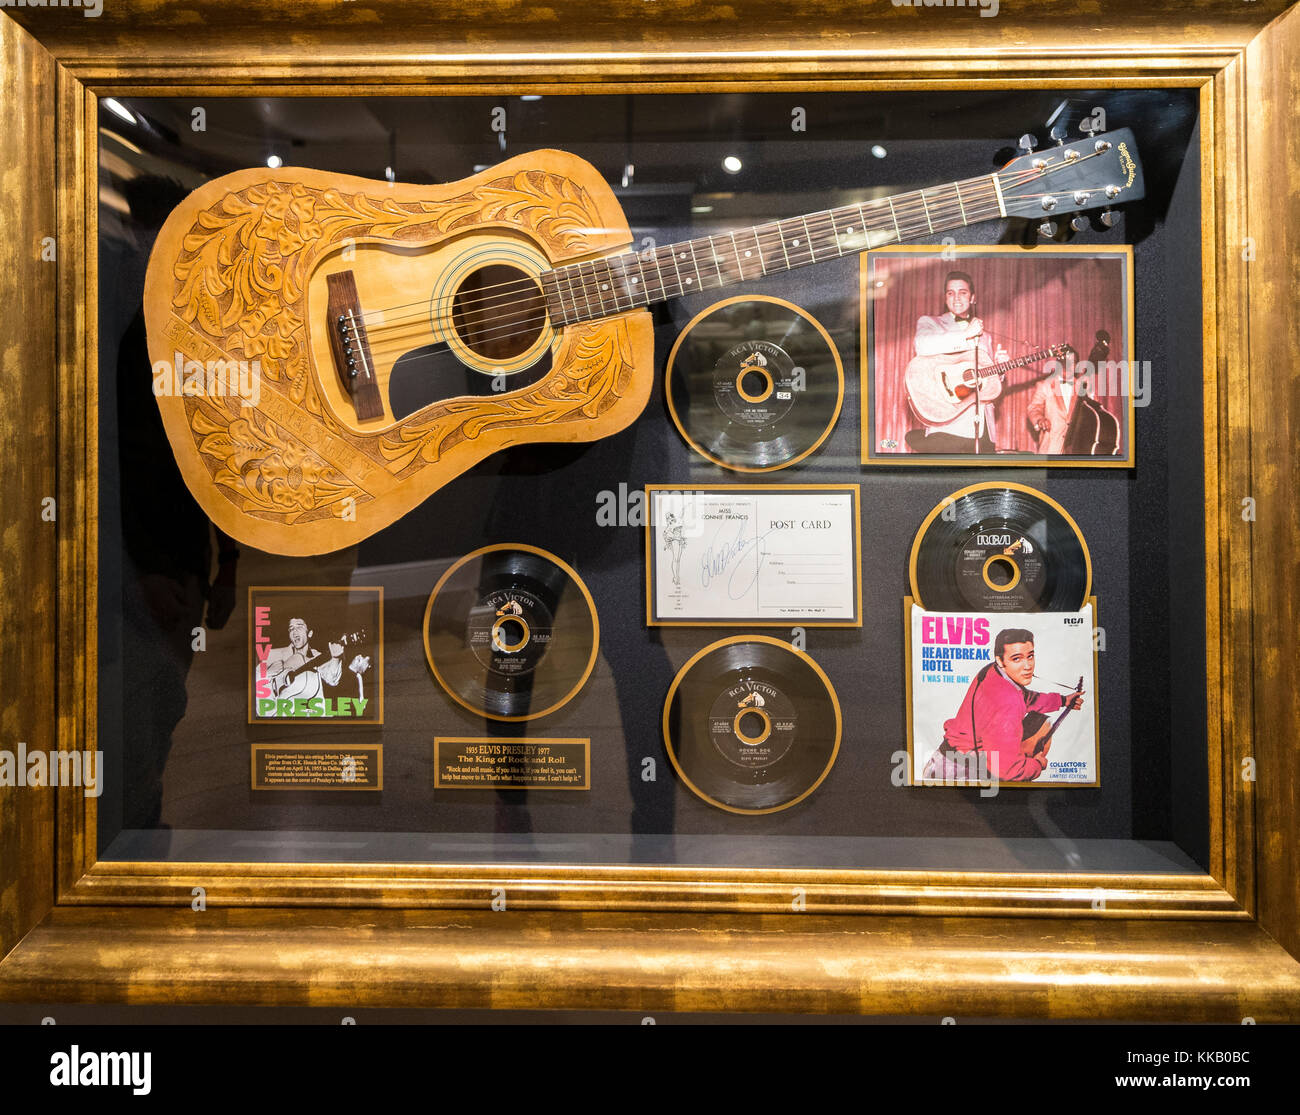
(499, 635)
(1000, 559)
(744, 736)
(769, 385)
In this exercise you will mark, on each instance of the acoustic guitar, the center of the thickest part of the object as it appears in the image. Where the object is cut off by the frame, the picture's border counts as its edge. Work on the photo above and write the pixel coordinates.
(297, 664)
(1037, 729)
(328, 350)
(940, 387)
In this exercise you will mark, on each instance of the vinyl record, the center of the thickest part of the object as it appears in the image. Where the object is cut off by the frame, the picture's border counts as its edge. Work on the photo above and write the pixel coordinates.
(754, 384)
(1000, 548)
(511, 632)
(752, 725)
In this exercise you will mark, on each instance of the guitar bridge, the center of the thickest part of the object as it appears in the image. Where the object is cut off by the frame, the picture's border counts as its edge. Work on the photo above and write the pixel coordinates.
(350, 345)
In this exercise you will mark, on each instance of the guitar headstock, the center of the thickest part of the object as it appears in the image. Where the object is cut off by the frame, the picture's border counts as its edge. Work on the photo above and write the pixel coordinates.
(1088, 173)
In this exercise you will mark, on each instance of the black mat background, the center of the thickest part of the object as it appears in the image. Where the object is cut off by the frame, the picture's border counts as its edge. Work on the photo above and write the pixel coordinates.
(1144, 526)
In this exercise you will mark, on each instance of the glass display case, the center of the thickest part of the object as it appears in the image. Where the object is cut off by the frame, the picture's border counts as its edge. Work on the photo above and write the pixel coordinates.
(627, 496)
(568, 522)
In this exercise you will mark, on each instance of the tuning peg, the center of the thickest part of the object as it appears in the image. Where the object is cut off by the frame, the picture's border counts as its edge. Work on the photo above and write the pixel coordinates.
(1079, 223)
(1059, 132)
(1109, 218)
(1047, 230)
(1028, 143)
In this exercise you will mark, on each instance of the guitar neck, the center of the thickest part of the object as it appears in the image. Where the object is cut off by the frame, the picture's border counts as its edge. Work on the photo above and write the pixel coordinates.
(599, 288)
(320, 656)
(1057, 722)
(1018, 362)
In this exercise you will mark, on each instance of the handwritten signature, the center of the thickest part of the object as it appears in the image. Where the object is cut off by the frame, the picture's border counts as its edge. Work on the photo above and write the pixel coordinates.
(724, 554)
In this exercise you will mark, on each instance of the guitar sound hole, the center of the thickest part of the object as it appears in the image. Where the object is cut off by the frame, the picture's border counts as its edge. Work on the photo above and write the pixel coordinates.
(498, 312)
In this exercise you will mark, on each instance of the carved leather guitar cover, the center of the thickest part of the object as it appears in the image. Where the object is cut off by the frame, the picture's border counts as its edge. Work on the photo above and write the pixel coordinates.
(296, 473)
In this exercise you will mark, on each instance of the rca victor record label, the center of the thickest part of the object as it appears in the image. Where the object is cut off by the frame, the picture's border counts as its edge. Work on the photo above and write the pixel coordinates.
(752, 725)
(753, 555)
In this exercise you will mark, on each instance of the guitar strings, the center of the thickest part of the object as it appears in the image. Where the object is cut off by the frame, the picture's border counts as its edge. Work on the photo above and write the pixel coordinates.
(906, 206)
(399, 334)
(1003, 367)
(530, 313)
(530, 284)
(420, 323)
(910, 204)
(530, 321)
(501, 327)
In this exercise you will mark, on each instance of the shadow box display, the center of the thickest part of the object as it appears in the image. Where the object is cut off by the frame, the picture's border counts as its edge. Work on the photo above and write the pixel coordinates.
(487, 488)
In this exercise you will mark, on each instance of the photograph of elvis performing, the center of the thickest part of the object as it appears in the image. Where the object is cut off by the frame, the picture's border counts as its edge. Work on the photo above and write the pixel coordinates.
(1018, 718)
(314, 655)
(999, 355)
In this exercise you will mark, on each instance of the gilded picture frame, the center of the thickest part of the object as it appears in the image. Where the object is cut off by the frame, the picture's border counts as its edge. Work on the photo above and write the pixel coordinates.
(1217, 947)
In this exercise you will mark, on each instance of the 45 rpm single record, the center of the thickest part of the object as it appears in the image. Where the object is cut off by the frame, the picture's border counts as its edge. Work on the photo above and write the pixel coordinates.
(754, 384)
(752, 725)
(511, 632)
(1000, 548)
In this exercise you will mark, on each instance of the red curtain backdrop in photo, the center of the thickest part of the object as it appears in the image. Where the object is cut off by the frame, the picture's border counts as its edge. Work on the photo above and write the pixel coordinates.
(1027, 302)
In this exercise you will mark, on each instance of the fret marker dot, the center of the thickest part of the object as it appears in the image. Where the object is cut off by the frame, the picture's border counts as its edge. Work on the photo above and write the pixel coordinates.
(748, 254)
(689, 281)
(635, 281)
(604, 286)
(796, 243)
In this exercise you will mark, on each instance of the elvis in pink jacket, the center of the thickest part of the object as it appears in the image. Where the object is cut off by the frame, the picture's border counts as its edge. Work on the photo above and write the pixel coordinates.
(991, 719)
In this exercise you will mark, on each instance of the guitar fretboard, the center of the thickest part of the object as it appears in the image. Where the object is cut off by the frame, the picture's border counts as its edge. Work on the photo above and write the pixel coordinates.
(1018, 362)
(601, 287)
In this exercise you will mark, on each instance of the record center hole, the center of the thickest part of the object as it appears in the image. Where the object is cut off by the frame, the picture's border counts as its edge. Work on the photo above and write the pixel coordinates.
(1001, 573)
(754, 384)
(752, 726)
(509, 634)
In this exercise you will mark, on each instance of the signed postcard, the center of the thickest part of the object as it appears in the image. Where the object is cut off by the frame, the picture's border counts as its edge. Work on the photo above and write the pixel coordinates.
(753, 555)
